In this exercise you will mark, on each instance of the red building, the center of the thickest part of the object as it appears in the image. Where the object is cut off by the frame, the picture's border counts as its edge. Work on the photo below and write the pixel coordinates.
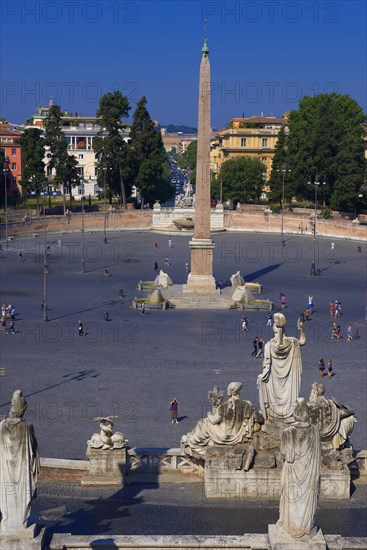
(13, 154)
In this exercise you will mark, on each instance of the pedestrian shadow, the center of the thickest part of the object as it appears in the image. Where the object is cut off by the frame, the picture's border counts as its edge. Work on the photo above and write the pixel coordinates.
(180, 418)
(249, 277)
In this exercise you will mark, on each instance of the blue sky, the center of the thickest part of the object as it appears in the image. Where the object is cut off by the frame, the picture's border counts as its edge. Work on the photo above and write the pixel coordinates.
(265, 55)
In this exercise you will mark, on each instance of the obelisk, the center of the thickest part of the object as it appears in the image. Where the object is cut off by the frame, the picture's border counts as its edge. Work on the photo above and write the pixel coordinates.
(200, 279)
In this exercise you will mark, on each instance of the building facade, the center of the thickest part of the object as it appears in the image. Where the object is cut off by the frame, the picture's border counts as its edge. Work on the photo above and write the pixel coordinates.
(12, 171)
(253, 137)
(80, 132)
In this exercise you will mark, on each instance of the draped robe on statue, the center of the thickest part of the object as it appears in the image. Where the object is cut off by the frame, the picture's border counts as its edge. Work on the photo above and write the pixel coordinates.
(19, 467)
(280, 381)
(301, 447)
(232, 423)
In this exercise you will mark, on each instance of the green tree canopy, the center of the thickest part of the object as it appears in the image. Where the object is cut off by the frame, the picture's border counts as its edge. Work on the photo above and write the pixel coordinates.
(115, 165)
(33, 152)
(242, 179)
(152, 168)
(325, 140)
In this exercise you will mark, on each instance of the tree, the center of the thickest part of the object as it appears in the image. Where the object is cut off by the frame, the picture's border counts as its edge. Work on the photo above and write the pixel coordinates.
(242, 179)
(115, 165)
(63, 163)
(33, 170)
(153, 172)
(324, 133)
(188, 160)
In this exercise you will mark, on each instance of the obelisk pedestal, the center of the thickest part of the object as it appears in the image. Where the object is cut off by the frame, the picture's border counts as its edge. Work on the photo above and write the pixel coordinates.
(200, 279)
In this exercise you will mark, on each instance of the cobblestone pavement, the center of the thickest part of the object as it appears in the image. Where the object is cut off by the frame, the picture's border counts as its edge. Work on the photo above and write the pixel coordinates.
(133, 365)
(172, 508)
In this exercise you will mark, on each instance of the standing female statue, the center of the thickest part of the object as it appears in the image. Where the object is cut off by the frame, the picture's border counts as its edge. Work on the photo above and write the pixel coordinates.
(280, 381)
(19, 467)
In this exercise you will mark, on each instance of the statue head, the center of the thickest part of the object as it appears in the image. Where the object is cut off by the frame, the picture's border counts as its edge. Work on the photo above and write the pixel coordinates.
(234, 388)
(279, 320)
(18, 405)
(301, 412)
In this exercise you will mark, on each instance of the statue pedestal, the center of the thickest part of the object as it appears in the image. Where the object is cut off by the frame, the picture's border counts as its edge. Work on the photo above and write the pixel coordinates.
(106, 467)
(279, 542)
(225, 479)
(23, 539)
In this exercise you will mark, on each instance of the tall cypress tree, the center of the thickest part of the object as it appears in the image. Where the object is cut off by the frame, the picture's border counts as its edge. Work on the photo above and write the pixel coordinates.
(33, 169)
(280, 163)
(109, 145)
(153, 172)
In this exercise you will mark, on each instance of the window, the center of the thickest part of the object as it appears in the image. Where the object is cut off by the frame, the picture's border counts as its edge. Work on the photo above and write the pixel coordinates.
(243, 142)
(80, 156)
(49, 171)
(81, 142)
(263, 160)
(13, 165)
(13, 152)
(265, 142)
(80, 170)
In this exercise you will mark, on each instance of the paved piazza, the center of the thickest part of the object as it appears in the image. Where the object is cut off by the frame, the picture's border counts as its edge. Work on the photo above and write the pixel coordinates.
(133, 365)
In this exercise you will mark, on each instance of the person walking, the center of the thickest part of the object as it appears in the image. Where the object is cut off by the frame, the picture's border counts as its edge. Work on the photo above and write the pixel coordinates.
(156, 244)
(270, 320)
(187, 267)
(20, 256)
(255, 344)
(329, 368)
(321, 365)
(166, 261)
(307, 314)
(332, 309)
(349, 332)
(106, 271)
(244, 322)
(155, 267)
(11, 327)
(310, 304)
(80, 329)
(142, 308)
(169, 243)
(282, 300)
(3, 323)
(260, 345)
(12, 313)
(174, 409)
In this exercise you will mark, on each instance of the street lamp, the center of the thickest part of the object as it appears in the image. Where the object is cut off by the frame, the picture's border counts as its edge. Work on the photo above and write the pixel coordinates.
(316, 183)
(105, 204)
(5, 172)
(283, 170)
(83, 256)
(45, 266)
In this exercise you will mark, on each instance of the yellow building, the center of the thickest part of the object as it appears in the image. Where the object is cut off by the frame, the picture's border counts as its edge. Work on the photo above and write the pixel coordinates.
(253, 137)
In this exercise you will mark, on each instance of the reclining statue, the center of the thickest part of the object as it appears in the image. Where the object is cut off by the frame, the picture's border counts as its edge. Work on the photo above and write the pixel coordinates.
(335, 421)
(232, 422)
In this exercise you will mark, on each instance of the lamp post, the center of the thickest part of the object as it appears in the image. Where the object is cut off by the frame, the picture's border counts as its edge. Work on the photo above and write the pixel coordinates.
(105, 204)
(283, 170)
(83, 256)
(5, 172)
(316, 183)
(45, 266)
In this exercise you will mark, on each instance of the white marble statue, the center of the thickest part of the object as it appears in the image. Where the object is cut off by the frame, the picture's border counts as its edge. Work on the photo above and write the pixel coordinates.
(19, 467)
(280, 381)
(300, 477)
(106, 438)
(334, 420)
(234, 421)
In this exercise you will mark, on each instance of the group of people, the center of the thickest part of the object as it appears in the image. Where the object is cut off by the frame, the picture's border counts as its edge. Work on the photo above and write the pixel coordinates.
(322, 367)
(7, 314)
(258, 344)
